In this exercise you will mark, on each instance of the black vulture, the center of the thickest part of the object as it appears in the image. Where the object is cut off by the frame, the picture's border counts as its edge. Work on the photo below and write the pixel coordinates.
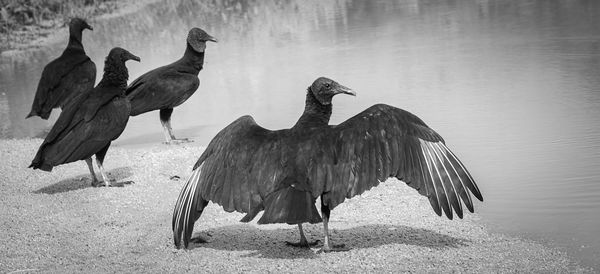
(91, 121)
(248, 168)
(67, 76)
(169, 86)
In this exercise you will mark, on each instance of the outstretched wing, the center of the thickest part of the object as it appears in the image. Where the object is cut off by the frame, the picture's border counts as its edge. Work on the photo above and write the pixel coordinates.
(241, 165)
(382, 142)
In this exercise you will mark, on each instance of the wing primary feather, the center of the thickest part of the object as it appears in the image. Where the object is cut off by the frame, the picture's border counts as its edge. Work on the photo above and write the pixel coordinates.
(439, 184)
(464, 194)
(440, 200)
(184, 208)
(191, 206)
(447, 195)
(178, 205)
(471, 183)
(432, 195)
(454, 194)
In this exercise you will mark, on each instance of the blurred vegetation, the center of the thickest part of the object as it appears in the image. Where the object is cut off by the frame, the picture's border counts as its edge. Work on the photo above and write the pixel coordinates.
(22, 21)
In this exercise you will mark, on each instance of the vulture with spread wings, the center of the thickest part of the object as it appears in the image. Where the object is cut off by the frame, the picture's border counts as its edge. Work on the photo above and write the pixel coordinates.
(248, 168)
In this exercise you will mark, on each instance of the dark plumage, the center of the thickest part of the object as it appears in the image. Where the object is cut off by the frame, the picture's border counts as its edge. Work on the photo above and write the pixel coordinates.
(169, 86)
(67, 76)
(247, 168)
(90, 122)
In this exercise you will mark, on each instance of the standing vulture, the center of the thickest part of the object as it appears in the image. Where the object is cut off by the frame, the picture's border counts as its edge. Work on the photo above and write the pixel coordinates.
(90, 122)
(65, 77)
(169, 86)
(248, 168)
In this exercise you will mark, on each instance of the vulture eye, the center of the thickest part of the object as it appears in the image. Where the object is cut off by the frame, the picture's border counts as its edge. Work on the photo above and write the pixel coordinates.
(327, 86)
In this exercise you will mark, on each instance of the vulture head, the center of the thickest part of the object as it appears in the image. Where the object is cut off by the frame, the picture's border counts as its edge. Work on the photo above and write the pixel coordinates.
(324, 89)
(197, 39)
(77, 25)
(120, 55)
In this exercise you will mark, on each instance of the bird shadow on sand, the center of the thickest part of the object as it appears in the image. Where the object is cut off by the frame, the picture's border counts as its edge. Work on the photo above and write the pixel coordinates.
(269, 243)
(84, 181)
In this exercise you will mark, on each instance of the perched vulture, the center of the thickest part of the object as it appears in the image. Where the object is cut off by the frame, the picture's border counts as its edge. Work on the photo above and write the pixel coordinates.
(65, 77)
(90, 122)
(248, 168)
(169, 86)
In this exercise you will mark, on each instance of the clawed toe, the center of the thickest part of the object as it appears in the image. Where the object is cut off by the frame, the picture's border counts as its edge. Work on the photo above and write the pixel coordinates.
(178, 141)
(96, 183)
(111, 183)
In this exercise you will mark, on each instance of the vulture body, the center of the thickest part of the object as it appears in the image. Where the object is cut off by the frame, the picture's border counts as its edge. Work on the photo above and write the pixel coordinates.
(248, 168)
(167, 87)
(89, 124)
(66, 77)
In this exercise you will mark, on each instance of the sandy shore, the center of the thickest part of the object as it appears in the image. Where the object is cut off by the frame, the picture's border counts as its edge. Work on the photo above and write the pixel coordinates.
(57, 222)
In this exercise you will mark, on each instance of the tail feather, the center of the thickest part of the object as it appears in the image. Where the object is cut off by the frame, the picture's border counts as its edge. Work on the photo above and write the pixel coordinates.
(290, 205)
(188, 208)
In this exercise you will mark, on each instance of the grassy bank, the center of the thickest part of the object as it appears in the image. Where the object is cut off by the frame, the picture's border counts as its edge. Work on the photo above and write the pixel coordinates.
(26, 23)
(56, 222)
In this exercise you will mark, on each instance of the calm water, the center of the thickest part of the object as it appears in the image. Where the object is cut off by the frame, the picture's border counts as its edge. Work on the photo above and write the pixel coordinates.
(513, 86)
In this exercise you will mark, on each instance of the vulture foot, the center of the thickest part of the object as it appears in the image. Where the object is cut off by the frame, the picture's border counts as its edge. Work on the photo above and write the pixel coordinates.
(103, 183)
(112, 183)
(96, 183)
(178, 141)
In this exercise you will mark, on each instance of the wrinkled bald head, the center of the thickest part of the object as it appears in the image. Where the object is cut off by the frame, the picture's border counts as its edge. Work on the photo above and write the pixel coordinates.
(197, 39)
(120, 55)
(324, 89)
(77, 25)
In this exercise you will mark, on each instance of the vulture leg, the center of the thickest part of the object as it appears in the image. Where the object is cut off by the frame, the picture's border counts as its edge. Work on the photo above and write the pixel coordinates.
(327, 245)
(303, 242)
(95, 181)
(99, 160)
(165, 120)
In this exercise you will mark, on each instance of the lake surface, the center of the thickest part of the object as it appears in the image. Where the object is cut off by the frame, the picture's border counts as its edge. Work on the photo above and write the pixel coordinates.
(513, 86)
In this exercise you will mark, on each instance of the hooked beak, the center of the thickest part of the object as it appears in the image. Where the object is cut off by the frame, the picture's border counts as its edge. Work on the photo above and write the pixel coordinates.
(135, 58)
(89, 27)
(212, 39)
(344, 90)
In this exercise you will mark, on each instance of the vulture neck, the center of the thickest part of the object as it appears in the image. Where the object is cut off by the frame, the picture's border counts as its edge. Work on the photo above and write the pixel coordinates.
(115, 75)
(75, 40)
(315, 114)
(193, 59)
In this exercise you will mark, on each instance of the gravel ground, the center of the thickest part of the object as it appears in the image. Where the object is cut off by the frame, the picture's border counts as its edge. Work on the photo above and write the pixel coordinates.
(57, 222)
